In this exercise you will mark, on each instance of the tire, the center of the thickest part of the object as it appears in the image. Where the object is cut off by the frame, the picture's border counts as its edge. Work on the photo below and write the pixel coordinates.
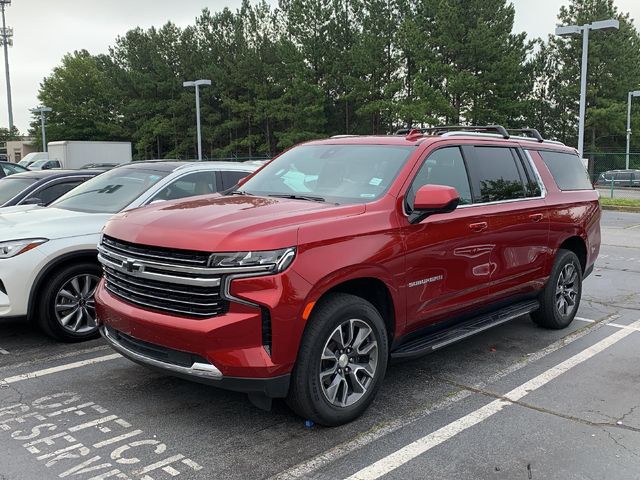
(338, 398)
(70, 286)
(560, 298)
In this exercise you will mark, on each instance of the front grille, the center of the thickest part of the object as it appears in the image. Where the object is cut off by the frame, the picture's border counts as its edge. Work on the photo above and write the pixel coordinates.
(157, 352)
(184, 300)
(187, 258)
(168, 280)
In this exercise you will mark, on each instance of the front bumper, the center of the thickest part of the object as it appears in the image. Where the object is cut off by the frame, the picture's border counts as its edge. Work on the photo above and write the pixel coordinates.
(190, 367)
(17, 276)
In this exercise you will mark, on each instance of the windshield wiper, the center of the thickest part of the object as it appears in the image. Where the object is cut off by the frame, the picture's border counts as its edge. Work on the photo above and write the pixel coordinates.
(239, 192)
(299, 197)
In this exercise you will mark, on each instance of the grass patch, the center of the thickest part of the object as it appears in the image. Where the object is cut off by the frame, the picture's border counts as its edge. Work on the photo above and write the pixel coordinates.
(620, 202)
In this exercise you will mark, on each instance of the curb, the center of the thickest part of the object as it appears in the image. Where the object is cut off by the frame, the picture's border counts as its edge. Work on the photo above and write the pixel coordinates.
(621, 208)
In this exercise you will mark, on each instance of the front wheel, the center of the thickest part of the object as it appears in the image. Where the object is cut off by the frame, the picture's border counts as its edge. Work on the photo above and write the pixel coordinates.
(67, 307)
(560, 298)
(342, 361)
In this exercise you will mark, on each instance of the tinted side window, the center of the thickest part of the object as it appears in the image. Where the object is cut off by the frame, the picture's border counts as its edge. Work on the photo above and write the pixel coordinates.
(197, 183)
(53, 192)
(443, 167)
(567, 170)
(623, 176)
(231, 178)
(495, 175)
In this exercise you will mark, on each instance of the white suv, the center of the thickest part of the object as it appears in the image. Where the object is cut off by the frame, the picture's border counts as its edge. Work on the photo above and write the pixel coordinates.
(48, 255)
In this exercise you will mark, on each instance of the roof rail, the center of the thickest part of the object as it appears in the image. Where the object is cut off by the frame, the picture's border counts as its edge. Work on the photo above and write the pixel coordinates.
(528, 132)
(497, 129)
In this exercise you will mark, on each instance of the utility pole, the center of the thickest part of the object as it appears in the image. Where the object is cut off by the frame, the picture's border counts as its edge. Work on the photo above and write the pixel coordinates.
(635, 93)
(606, 25)
(198, 84)
(42, 111)
(6, 38)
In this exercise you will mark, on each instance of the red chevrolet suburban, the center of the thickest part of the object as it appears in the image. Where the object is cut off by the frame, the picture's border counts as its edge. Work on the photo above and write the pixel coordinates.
(304, 280)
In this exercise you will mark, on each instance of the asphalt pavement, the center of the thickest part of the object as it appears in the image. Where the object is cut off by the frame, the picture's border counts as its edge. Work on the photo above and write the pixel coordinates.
(514, 402)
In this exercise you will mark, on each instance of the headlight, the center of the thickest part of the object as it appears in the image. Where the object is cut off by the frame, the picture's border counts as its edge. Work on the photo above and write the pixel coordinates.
(278, 259)
(16, 247)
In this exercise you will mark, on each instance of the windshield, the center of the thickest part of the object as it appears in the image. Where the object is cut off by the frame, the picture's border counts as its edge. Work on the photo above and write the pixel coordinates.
(110, 192)
(10, 187)
(39, 163)
(334, 173)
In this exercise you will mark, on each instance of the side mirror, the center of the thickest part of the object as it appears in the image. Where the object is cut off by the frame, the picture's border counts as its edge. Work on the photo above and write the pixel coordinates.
(32, 201)
(432, 199)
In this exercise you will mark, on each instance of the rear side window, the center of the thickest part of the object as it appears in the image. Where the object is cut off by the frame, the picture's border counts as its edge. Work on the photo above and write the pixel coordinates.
(567, 170)
(53, 192)
(231, 178)
(496, 175)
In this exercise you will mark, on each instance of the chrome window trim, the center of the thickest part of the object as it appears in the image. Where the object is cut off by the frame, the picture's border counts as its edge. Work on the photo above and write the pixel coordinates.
(542, 196)
(200, 370)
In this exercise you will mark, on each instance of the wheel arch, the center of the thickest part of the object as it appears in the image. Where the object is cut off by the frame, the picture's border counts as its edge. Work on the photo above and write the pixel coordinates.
(56, 264)
(375, 291)
(577, 245)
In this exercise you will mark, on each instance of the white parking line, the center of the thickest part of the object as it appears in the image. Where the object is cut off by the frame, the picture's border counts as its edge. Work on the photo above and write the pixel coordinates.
(616, 325)
(426, 443)
(59, 368)
(306, 468)
(3, 352)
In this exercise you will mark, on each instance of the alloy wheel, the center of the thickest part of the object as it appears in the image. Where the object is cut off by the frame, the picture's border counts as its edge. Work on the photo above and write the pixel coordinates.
(348, 363)
(567, 290)
(75, 306)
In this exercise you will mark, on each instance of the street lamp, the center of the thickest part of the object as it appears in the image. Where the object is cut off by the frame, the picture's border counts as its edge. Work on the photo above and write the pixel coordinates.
(631, 94)
(42, 111)
(6, 40)
(198, 84)
(564, 31)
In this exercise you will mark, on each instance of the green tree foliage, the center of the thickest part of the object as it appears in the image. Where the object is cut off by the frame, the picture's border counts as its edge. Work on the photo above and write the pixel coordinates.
(614, 70)
(311, 68)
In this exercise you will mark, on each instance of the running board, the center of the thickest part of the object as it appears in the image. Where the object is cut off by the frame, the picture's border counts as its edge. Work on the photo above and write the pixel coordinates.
(435, 340)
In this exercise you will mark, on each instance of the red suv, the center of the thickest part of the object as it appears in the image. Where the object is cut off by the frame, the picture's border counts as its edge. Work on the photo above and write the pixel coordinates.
(307, 277)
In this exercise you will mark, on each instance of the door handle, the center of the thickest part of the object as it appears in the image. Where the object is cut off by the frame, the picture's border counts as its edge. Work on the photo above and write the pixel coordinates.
(536, 217)
(478, 227)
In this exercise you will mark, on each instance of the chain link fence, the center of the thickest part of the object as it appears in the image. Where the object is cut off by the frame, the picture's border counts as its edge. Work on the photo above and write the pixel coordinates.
(610, 176)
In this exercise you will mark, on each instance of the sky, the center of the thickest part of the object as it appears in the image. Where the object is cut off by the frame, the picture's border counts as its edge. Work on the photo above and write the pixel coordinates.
(45, 30)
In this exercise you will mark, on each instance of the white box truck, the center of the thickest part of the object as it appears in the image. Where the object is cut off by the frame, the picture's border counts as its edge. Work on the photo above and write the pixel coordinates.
(69, 154)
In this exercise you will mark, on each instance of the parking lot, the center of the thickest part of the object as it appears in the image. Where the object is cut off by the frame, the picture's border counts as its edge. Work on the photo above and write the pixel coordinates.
(514, 402)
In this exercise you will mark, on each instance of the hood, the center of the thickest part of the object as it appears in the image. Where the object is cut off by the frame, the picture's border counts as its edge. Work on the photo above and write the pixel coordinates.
(231, 223)
(18, 208)
(49, 222)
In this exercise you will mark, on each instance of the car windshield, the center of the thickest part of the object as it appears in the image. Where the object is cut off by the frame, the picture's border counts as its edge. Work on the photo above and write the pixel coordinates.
(39, 163)
(332, 173)
(110, 192)
(10, 187)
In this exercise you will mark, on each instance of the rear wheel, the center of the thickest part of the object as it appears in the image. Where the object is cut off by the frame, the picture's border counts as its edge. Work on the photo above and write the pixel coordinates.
(67, 307)
(560, 298)
(341, 363)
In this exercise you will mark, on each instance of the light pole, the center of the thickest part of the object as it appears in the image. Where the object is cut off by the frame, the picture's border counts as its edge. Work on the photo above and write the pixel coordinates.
(6, 38)
(42, 111)
(198, 84)
(564, 31)
(635, 93)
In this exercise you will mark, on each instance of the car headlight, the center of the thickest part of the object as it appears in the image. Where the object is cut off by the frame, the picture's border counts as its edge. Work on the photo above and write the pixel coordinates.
(16, 247)
(279, 260)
